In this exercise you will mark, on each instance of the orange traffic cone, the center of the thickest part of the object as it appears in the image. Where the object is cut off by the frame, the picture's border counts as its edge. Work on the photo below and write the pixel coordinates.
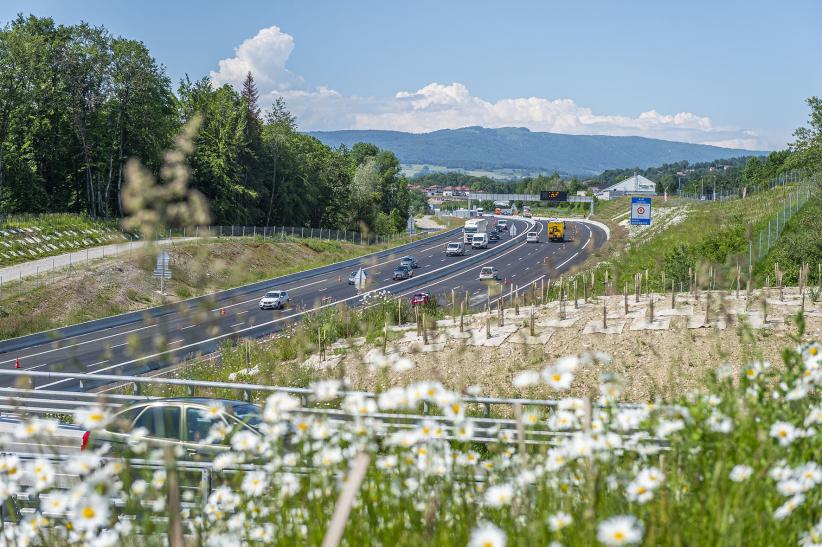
(17, 363)
(222, 311)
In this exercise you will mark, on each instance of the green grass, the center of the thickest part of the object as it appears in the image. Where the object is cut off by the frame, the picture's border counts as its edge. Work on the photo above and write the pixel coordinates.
(800, 242)
(714, 235)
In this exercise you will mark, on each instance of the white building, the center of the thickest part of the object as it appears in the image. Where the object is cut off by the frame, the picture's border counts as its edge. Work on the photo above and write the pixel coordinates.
(636, 185)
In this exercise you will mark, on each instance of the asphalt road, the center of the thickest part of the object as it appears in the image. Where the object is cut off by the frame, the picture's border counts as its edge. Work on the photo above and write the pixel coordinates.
(154, 342)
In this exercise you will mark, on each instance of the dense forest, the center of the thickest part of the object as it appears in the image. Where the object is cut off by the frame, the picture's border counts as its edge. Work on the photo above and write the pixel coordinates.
(76, 103)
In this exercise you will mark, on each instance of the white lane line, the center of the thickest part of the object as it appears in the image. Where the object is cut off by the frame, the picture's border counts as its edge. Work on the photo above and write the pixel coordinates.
(386, 279)
(520, 258)
(241, 312)
(37, 366)
(236, 325)
(124, 343)
(323, 289)
(188, 327)
(79, 344)
(567, 261)
(527, 268)
(285, 318)
(97, 363)
(178, 341)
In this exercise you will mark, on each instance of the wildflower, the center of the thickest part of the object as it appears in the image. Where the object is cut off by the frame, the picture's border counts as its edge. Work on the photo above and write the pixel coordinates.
(809, 475)
(814, 416)
(783, 432)
(83, 463)
(530, 418)
(326, 390)
(611, 389)
(719, 423)
(558, 521)
(620, 530)
(387, 462)
(557, 378)
(499, 495)
(278, 405)
(223, 460)
(562, 420)
(788, 507)
(464, 431)
(89, 513)
(55, 503)
(568, 363)
(667, 427)
(359, 404)
(43, 473)
(741, 473)
(526, 378)
(639, 492)
(139, 487)
(93, 417)
(789, 487)
(254, 483)
(392, 399)
(245, 441)
(158, 480)
(330, 456)
(33, 428)
(487, 535)
(454, 411)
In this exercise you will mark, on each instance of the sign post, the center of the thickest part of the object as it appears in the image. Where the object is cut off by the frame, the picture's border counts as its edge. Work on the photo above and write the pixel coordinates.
(513, 230)
(162, 270)
(640, 211)
(410, 226)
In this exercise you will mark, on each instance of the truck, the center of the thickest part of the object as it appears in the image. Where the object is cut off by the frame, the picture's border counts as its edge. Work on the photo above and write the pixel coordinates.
(479, 241)
(526, 212)
(556, 230)
(474, 226)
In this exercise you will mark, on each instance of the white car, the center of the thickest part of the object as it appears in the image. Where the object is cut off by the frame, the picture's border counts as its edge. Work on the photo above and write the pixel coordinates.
(274, 300)
(488, 273)
(532, 237)
(503, 224)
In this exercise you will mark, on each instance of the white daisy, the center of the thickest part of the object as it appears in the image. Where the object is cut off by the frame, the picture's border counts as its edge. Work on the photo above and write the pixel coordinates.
(620, 530)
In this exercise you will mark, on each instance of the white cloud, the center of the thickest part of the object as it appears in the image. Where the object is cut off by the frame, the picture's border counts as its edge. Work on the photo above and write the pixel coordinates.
(441, 106)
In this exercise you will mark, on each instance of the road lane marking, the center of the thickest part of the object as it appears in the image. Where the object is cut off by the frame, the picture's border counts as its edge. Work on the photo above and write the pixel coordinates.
(236, 325)
(175, 341)
(97, 363)
(569, 260)
(188, 327)
(79, 344)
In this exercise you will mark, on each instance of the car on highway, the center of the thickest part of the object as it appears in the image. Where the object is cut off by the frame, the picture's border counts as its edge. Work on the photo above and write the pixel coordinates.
(402, 272)
(493, 235)
(532, 237)
(183, 422)
(420, 299)
(409, 261)
(274, 300)
(455, 248)
(488, 273)
(503, 224)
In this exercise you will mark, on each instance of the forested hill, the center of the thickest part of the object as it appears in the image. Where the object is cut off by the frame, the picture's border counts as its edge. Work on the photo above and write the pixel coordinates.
(519, 148)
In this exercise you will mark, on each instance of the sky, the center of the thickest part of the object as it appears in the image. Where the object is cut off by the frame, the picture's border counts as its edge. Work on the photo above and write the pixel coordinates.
(728, 73)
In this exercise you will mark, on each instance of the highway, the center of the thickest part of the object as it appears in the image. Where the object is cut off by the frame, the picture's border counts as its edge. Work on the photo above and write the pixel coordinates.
(155, 339)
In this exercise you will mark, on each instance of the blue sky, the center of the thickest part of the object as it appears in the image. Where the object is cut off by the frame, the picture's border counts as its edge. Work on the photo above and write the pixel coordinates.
(729, 73)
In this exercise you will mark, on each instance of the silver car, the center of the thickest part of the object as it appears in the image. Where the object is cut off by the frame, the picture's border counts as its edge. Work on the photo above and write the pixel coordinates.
(274, 300)
(489, 273)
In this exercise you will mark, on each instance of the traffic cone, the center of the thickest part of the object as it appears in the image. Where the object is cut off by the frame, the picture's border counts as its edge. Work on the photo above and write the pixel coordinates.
(222, 311)
(17, 363)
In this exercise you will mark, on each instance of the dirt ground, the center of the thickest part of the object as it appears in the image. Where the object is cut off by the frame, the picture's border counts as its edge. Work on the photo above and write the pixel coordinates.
(652, 363)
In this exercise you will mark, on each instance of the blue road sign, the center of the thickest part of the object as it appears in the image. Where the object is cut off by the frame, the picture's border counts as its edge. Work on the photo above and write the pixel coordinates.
(641, 211)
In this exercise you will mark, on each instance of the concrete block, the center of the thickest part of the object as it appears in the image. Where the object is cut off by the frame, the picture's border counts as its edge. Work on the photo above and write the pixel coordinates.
(660, 323)
(523, 336)
(595, 327)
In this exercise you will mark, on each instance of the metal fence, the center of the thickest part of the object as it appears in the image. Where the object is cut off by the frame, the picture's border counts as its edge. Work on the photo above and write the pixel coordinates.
(286, 232)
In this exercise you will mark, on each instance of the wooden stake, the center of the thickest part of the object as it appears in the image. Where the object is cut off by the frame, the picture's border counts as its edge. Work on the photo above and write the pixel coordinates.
(342, 509)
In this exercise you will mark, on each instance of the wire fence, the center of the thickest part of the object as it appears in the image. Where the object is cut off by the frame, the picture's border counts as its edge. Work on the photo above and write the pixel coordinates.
(285, 232)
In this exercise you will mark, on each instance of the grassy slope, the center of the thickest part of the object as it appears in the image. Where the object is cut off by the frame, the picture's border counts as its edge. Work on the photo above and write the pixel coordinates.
(801, 241)
(116, 285)
(54, 227)
(713, 234)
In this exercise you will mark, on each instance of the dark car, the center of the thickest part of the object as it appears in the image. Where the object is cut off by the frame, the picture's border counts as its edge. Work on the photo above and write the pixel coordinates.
(493, 235)
(403, 272)
(409, 261)
(183, 422)
(420, 299)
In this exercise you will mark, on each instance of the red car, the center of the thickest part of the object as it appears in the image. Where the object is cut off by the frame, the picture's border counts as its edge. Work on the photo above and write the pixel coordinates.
(421, 298)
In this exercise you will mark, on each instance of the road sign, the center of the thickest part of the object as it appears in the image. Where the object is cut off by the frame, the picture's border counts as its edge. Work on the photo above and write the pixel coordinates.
(513, 230)
(640, 211)
(410, 226)
(360, 278)
(553, 195)
(162, 269)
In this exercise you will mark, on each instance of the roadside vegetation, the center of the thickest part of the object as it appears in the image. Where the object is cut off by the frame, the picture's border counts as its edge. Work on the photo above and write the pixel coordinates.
(800, 243)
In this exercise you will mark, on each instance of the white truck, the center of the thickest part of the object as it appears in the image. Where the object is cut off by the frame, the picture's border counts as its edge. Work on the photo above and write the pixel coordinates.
(474, 226)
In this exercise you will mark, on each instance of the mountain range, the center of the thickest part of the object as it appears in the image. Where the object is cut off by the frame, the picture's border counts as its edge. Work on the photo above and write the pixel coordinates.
(517, 148)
